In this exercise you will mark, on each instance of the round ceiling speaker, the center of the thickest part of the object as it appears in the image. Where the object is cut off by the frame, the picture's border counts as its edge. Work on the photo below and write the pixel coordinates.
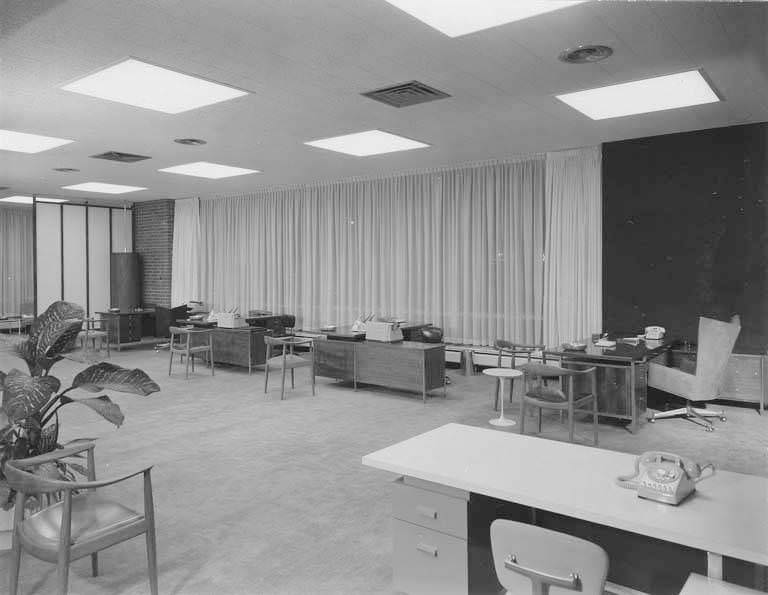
(195, 142)
(585, 54)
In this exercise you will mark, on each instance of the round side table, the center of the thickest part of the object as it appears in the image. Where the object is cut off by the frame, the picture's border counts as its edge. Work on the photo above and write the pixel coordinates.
(502, 374)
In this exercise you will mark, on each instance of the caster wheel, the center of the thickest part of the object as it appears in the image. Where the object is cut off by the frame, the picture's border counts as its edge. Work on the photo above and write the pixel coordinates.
(652, 420)
(722, 418)
(710, 429)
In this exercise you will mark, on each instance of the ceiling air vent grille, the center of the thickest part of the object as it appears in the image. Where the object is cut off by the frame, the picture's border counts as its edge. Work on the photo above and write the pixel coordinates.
(121, 157)
(405, 94)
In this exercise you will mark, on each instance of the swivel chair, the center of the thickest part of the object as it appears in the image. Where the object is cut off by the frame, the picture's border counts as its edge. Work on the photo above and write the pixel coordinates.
(715, 343)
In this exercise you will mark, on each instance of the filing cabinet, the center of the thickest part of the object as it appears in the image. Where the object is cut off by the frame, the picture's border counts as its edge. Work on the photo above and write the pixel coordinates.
(430, 538)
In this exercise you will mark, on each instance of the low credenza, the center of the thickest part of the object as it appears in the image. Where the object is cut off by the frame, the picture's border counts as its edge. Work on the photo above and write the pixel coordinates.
(405, 365)
(242, 346)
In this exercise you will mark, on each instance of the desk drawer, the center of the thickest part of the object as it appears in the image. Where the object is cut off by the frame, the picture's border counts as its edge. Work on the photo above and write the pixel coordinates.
(430, 510)
(428, 562)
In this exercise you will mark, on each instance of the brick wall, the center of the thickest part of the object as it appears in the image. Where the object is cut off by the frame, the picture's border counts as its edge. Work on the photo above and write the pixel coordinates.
(153, 240)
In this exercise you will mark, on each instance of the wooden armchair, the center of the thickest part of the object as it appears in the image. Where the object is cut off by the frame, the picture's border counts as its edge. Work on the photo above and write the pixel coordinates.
(80, 524)
(512, 350)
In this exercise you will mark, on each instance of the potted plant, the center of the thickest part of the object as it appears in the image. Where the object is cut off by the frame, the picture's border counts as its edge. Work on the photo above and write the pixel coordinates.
(29, 420)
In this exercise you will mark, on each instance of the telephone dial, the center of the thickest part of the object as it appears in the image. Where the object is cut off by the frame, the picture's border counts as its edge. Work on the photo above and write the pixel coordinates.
(665, 477)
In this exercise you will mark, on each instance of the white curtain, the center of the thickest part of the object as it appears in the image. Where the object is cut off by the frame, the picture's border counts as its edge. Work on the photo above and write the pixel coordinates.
(185, 261)
(572, 301)
(16, 262)
(460, 248)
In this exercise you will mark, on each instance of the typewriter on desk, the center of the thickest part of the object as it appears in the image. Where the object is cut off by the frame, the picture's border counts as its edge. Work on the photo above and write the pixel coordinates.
(387, 332)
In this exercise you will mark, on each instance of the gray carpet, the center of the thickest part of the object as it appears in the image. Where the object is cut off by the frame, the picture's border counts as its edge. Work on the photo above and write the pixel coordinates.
(264, 496)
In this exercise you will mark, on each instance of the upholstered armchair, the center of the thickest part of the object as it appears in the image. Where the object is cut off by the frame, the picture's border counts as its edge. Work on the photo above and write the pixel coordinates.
(715, 343)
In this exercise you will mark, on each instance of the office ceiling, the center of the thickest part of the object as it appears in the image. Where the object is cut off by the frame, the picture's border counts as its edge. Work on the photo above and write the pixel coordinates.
(305, 63)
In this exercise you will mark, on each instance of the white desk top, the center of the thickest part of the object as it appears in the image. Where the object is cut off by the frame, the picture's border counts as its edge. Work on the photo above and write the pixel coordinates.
(727, 515)
(702, 585)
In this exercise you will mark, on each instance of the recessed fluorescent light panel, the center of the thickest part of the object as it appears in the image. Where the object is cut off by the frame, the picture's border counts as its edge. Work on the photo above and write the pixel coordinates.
(27, 200)
(213, 171)
(103, 188)
(144, 85)
(641, 97)
(370, 142)
(22, 142)
(459, 17)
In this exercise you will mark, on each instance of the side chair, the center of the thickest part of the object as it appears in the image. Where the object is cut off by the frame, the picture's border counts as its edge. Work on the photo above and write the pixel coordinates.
(188, 343)
(94, 329)
(530, 559)
(288, 359)
(511, 350)
(81, 523)
(569, 397)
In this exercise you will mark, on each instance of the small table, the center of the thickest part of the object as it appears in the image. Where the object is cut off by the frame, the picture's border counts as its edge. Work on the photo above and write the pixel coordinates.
(501, 374)
(704, 585)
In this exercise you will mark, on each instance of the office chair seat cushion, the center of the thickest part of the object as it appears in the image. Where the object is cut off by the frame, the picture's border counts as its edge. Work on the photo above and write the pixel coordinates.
(549, 394)
(91, 515)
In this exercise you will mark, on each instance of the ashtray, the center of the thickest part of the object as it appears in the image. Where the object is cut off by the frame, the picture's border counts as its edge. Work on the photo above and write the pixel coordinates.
(114, 309)
(574, 346)
(328, 327)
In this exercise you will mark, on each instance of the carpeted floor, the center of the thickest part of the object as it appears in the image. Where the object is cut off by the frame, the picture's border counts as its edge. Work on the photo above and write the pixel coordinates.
(256, 495)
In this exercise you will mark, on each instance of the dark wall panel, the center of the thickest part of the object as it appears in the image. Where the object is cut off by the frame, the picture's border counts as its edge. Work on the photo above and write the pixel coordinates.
(685, 220)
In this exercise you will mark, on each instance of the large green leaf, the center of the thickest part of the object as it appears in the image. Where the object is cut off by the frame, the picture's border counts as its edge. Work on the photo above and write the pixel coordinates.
(54, 332)
(106, 376)
(101, 405)
(24, 395)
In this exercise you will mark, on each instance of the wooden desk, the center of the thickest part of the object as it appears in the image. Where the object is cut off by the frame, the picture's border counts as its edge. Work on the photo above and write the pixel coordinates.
(453, 465)
(703, 585)
(622, 375)
(405, 365)
(242, 346)
(129, 326)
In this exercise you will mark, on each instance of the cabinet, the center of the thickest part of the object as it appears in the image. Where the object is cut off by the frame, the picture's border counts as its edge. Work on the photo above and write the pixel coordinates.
(430, 538)
(239, 346)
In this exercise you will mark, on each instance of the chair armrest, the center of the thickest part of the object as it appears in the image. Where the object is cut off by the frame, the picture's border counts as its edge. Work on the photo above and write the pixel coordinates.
(25, 481)
(54, 455)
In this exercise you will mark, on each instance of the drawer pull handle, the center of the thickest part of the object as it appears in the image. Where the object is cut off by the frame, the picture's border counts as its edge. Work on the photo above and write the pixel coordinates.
(427, 549)
(430, 513)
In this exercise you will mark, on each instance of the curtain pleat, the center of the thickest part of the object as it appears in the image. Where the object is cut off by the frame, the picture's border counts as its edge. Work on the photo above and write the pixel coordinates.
(572, 300)
(185, 260)
(16, 266)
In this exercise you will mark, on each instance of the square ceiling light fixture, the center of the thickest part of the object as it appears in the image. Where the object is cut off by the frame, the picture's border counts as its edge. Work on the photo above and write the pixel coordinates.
(369, 142)
(103, 188)
(640, 97)
(23, 142)
(204, 169)
(460, 17)
(145, 85)
(27, 200)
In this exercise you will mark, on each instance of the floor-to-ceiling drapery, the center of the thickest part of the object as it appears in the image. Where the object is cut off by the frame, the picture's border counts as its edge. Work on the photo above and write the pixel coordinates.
(185, 260)
(16, 268)
(460, 248)
(573, 267)
(502, 250)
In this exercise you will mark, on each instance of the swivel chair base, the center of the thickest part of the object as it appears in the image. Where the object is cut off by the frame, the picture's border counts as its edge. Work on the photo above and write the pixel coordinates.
(694, 414)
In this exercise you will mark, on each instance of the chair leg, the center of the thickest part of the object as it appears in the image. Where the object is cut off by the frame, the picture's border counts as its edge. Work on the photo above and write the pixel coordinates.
(210, 356)
(540, 420)
(192, 357)
(186, 369)
(170, 364)
(95, 564)
(152, 559)
(62, 571)
(282, 384)
(313, 379)
(15, 565)
(522, 416)
(571, 422)
(293, 380)
(266, 377)
(594, 416)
